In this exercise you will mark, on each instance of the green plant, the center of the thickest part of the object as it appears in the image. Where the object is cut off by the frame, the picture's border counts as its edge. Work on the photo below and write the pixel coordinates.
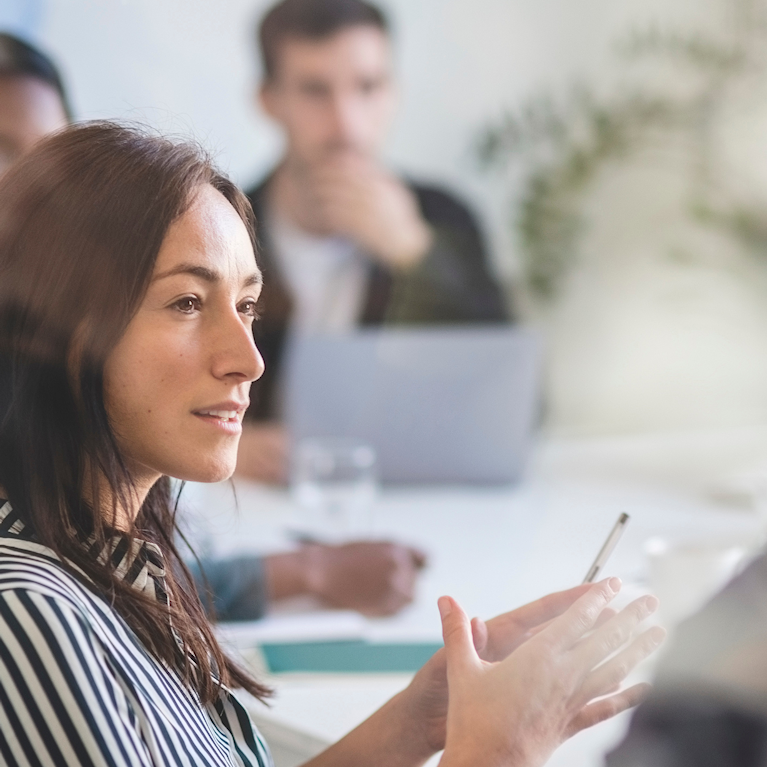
(562, 147)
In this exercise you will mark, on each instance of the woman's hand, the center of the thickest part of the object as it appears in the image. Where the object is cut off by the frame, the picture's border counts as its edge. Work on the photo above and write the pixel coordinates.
(519, 685)
(493, 641)
(518, 710)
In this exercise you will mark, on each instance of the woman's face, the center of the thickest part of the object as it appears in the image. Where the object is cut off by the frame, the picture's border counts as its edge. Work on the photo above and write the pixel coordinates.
(176, 386)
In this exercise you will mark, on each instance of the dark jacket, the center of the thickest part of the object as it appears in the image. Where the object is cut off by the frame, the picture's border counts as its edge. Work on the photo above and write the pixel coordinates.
(451, 284)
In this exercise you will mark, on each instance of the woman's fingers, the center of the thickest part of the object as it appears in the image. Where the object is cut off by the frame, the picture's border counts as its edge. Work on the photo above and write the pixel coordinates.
(611, 674)
(541, 611)
(509, 630)
(607, 614)
(457, 635)
(611, 636)
(582, 616)
(604, 616)
(607, 708)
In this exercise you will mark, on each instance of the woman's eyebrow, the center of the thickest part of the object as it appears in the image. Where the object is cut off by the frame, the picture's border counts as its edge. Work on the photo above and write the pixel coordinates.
(206, 274)
(253, 279)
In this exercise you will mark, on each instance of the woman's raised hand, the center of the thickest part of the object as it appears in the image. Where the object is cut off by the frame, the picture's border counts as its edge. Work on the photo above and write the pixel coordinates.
(516, 711)
(509, 691)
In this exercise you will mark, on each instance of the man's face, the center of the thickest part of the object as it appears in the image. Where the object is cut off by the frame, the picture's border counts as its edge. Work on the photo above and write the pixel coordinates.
(29, 110)
(334, 95)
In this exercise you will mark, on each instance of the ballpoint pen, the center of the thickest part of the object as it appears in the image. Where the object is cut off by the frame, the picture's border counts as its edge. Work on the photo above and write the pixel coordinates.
(607, 548)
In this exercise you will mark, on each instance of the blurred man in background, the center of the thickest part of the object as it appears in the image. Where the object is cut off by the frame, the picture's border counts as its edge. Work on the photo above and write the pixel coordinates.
(376, 578)
(344, 241)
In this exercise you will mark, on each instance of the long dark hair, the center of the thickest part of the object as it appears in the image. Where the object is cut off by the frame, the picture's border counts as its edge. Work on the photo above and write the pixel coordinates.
(82, 219)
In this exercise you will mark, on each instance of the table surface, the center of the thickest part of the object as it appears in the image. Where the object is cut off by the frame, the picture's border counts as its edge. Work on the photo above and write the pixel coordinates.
(496, 548)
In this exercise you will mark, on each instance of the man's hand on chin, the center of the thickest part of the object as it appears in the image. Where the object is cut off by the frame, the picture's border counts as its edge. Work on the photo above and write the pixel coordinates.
(352, 197)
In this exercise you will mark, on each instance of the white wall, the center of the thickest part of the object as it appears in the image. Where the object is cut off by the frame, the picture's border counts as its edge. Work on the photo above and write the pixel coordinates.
(188, 66)
(638, 341)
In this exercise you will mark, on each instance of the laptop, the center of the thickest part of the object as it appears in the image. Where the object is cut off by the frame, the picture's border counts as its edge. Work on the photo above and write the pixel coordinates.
(439, 405)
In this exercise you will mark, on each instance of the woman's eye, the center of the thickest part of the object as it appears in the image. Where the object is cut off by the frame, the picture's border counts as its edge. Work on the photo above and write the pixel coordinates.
(249, 308)
(187, 304)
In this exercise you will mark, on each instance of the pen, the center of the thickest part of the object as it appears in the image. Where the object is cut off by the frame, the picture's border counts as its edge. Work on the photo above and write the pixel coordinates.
(607, 548)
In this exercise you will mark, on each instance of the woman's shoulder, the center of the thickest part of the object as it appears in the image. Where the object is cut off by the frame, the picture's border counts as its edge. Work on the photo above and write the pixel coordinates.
(27, 566)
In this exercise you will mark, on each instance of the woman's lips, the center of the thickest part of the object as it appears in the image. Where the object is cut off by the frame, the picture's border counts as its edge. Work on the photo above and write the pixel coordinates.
(225, 420)
(227, 415)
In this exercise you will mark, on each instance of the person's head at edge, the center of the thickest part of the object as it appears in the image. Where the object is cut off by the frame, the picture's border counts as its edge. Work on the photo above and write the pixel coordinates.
(327, 76)
(33, 101)
(95, 418)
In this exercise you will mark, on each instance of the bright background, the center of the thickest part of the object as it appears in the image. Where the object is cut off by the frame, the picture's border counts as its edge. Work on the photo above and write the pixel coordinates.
(641, 339)
(189, 66)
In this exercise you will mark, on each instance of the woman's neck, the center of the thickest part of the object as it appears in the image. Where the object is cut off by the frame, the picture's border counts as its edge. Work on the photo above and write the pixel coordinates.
(122, 513)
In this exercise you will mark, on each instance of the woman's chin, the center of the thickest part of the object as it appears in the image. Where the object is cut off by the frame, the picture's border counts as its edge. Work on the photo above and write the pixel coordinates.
(215, 471)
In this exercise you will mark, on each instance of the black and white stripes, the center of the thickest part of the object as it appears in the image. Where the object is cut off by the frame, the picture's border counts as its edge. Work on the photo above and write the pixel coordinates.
(78, 688)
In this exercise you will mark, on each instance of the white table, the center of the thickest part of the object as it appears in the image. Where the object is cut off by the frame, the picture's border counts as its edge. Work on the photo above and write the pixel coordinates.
(495, 548)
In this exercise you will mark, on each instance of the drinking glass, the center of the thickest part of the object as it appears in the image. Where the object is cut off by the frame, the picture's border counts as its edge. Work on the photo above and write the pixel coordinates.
(335, 484)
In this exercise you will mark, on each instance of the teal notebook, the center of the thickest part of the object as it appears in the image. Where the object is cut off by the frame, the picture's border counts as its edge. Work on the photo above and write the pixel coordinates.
(354, 656)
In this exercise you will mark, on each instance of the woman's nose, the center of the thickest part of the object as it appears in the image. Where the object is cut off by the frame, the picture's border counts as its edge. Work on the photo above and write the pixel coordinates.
(235, 353)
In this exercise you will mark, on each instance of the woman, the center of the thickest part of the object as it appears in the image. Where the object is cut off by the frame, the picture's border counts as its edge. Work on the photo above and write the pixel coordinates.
(128, 287)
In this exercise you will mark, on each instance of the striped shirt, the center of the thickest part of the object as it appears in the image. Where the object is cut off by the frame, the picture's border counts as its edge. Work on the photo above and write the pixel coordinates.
(77, 687)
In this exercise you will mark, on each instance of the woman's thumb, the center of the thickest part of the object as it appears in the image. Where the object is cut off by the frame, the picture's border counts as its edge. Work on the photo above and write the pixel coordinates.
(456, 632)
